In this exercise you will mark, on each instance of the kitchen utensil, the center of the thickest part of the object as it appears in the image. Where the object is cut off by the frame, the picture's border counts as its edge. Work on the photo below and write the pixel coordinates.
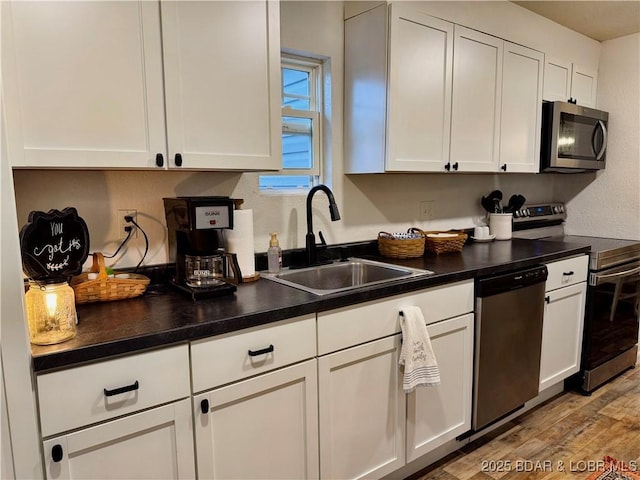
(519, 202)
(515, 203)
(487, 204)
(491, 202)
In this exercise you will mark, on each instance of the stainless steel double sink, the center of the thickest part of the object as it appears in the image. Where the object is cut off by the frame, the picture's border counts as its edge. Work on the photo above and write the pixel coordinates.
(343, 276)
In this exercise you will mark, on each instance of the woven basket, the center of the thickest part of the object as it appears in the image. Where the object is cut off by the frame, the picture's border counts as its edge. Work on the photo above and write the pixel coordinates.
(390, 246)
(440, 245)
(105, 288)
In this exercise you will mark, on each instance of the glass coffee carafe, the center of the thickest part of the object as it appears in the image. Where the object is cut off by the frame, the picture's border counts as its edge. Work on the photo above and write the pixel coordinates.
(204, 271)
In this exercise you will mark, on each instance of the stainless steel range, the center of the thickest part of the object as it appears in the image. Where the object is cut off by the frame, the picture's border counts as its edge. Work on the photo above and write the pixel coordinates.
(610, 342)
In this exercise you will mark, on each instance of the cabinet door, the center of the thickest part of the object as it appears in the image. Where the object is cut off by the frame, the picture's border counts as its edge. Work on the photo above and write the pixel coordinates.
(562, 334)
(557, 80)
(476, 107)
(564, 80)
(84, 84)
(222, 80)
(438, 414)
(584, 85)
(521, 116)
(419, 97)
(156, 444)
(265, 427)
(362, 411)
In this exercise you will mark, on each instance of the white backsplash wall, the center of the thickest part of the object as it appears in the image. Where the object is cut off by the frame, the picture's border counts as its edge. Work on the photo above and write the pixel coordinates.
(607, 203)
(368, 203)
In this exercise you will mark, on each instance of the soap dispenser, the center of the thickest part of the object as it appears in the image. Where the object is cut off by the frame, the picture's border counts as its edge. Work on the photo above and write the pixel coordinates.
(274, 254)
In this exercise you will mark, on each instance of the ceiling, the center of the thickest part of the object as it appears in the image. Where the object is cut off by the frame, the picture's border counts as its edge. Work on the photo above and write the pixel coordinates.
(600, 20)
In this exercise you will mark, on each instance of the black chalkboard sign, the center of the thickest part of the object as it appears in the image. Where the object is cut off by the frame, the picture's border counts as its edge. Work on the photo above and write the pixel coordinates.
(54, 244)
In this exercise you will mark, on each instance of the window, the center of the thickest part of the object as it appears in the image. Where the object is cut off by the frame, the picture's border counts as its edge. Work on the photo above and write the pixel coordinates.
(301, 127)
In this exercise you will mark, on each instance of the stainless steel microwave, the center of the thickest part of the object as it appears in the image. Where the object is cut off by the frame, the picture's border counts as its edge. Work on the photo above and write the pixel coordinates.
(574, 138)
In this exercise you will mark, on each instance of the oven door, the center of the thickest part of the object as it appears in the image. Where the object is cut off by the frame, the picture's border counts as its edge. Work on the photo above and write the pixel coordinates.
(611, 321)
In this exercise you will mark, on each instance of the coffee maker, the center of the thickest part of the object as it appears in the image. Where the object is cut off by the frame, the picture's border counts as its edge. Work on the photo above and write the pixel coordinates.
(196, 243)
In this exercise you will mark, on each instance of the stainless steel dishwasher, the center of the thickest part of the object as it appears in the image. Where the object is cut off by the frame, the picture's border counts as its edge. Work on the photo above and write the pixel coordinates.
(509, 311)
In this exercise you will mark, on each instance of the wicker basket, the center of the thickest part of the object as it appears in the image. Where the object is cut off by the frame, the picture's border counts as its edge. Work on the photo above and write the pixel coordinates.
(390, 246)
(440, 245)
(105, 288)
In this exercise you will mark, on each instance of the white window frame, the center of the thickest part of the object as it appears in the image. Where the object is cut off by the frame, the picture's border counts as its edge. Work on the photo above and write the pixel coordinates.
(314, 114)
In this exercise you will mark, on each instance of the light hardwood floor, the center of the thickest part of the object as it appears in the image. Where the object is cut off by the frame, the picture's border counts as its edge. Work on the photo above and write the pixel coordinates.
(564, 438)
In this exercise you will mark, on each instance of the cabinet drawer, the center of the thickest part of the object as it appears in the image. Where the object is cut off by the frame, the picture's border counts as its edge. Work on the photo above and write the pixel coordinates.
(226, 358)
(357, 324)
(567, 272)
(92, 393)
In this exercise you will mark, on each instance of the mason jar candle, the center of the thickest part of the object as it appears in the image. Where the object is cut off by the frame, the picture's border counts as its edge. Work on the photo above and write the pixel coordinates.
(51, 312)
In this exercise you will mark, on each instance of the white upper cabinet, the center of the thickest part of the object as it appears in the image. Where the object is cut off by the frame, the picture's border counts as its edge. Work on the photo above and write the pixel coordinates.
(398, 67)
(496, 114)
(222, 80)
(557, 80)
(564, 80)
(522, 73)
(83, 84)
(419, 102)
(584, 82)
(425, 95)
(475, 115)
(87, 84)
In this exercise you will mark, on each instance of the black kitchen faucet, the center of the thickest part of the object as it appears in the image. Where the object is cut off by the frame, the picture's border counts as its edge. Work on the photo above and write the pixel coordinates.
(311, 247)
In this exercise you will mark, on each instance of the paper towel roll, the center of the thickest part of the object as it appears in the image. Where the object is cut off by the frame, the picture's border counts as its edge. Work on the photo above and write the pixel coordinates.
(240, 241)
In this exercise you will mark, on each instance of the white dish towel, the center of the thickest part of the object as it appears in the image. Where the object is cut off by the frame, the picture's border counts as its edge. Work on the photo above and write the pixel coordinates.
(420, 365)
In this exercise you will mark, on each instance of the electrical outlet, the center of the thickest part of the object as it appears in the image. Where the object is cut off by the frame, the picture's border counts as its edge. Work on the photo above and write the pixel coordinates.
(427, 210)
(123, 223)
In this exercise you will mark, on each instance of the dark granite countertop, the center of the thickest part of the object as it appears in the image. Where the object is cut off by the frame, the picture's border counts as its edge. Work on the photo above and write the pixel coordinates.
(163, 316)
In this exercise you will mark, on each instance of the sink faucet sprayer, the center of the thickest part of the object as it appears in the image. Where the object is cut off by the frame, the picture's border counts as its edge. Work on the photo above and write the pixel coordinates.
(312, 256)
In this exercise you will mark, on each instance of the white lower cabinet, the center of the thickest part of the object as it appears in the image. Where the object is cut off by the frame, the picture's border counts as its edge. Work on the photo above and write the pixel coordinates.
(256, 415)
(369, 427)
(304, 398)
(263, 428)
(128, 417)
(154, 444)
(362, 411)
(438, 414)
(563, 320)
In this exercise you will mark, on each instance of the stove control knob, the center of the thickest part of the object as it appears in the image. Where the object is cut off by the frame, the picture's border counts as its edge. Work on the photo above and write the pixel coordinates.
(527, 212)
(556, 209)
(561, 208)
(516, 214)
